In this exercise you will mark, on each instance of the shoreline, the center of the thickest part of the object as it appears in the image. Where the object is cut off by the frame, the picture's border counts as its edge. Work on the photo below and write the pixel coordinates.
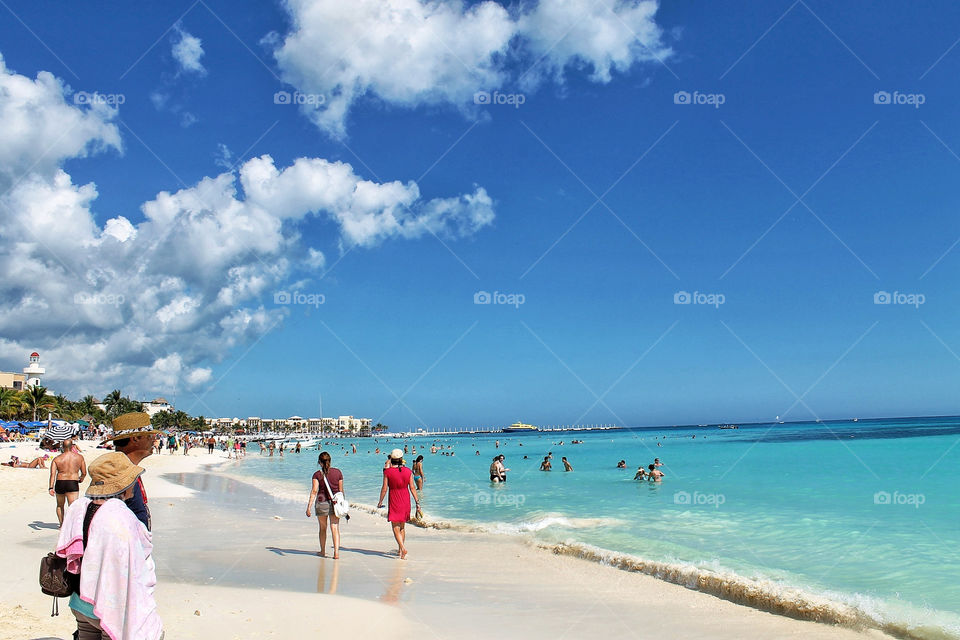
(733, 588)
(253, 572)
(760, 594)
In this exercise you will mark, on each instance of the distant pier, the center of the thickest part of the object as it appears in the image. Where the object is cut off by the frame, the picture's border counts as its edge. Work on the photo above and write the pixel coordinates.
(489, 431)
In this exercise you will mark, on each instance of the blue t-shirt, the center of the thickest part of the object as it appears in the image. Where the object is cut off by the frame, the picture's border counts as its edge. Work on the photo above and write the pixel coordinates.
(138, 505)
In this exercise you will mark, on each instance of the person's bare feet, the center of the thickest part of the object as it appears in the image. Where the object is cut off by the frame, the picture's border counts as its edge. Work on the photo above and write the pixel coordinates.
(321, 554)
(403, 554)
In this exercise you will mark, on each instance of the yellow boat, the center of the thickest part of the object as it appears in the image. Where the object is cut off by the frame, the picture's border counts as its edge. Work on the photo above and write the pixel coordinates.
(519, 427)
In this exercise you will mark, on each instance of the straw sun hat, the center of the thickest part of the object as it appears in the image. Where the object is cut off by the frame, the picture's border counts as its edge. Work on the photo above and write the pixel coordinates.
(132, 424)
(396, 454)
(111, 474)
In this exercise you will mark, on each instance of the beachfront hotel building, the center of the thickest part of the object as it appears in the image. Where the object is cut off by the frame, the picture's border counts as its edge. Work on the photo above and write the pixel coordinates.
(29, 378)
(150, 407)
(12, 380)
(256, 424)
(156, 406)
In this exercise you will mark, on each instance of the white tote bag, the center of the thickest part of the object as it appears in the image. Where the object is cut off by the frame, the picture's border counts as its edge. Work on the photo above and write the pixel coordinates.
(340, 505)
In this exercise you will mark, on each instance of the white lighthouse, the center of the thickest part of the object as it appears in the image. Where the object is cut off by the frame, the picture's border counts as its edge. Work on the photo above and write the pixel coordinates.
(33, 371)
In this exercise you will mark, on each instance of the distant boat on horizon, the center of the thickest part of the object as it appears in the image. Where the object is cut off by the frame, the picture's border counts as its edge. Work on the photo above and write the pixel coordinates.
(729, 426)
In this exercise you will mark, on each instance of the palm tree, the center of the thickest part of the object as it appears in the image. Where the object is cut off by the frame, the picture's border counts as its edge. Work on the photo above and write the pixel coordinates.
(162, 420)
(114, 403)
(10, 403)
(36, 399)
(63, 408)
(127, 405)
(87, 405)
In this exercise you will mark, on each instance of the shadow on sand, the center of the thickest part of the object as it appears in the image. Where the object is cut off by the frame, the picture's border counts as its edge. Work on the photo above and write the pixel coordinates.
(302, 552)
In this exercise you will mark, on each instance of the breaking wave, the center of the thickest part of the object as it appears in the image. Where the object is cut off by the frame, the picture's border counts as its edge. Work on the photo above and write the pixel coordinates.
(855, 611)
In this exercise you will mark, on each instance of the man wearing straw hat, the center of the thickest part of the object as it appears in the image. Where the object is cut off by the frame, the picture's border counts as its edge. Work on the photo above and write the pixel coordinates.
(133, 436)
(104, 543)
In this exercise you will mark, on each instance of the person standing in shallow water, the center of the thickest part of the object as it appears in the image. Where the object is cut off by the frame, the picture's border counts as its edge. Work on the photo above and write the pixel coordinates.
(324, 502)
(495, 470)
(398, 479)
(418, 476)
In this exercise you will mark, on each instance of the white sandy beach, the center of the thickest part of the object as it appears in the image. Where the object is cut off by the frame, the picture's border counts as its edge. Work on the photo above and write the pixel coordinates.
(232, 564)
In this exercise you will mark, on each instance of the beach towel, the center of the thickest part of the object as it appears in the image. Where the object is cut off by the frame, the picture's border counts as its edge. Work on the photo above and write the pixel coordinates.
(118, 575)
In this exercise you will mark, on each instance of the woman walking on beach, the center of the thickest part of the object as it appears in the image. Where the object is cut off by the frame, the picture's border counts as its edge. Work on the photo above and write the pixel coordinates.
(328, 479)
(398, 479)
(418, 476)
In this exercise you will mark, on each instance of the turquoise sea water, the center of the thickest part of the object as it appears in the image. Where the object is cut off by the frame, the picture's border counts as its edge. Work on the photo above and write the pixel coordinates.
(862, 513)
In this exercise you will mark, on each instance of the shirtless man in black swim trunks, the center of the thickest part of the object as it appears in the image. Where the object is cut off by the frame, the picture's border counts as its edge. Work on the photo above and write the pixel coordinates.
(67, 471)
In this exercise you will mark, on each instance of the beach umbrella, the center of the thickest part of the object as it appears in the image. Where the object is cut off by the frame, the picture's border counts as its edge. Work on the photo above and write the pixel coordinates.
(60, 432)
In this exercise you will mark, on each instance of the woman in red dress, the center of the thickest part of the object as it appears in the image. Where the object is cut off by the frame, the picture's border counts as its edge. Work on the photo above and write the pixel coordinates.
(399, 480)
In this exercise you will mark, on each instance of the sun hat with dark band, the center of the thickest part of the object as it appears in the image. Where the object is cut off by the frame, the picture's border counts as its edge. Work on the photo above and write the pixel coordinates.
(131, 424)
(111, 474)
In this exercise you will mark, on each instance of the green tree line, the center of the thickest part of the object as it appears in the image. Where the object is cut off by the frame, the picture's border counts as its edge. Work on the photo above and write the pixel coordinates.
(34, 403)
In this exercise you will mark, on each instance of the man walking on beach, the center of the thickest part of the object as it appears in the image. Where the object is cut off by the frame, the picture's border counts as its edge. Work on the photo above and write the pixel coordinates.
(133, 436)
(67, 471)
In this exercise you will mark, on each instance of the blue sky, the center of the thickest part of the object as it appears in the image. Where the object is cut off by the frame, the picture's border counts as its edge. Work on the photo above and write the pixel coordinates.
(793, 202)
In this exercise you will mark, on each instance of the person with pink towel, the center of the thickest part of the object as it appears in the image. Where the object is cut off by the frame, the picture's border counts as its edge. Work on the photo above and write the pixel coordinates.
(104, 542)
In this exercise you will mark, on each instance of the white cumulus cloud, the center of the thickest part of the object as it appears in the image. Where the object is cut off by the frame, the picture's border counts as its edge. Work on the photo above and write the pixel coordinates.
(187, 51)
(40, 129)
(147, 301)
(412, 52)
